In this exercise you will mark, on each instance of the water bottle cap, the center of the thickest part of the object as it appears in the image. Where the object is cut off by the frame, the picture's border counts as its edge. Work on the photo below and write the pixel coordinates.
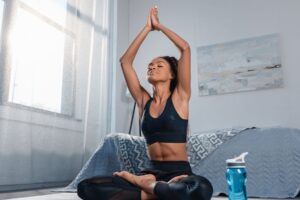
(238, 161)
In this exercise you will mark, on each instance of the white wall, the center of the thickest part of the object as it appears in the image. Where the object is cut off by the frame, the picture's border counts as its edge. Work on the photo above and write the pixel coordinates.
(206, 22)
(123, 104)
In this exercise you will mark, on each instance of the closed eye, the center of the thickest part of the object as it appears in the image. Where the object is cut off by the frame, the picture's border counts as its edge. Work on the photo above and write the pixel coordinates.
(149, 66)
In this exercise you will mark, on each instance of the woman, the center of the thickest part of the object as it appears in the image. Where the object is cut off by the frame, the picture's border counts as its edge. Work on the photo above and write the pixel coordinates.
(164, 125)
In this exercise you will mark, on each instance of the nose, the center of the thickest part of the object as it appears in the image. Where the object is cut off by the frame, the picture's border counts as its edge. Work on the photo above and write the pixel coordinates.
(152, 67)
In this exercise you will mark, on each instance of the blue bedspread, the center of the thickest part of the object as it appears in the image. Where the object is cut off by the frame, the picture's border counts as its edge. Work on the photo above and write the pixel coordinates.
(273, 163)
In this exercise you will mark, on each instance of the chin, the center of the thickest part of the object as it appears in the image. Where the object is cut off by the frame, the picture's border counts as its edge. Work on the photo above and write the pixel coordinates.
(151, 79)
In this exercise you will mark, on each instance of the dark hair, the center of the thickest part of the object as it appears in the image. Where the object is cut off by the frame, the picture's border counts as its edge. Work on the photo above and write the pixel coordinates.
(173, 62)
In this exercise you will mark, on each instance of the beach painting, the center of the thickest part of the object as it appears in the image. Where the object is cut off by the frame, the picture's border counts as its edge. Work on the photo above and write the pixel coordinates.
(241, 65)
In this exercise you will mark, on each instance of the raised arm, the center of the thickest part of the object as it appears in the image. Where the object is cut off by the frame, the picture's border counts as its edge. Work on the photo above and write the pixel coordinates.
(184, 62)
(133, 83)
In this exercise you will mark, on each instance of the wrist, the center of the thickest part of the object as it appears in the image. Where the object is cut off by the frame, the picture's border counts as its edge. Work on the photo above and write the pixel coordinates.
(159, 27)
(147, 28)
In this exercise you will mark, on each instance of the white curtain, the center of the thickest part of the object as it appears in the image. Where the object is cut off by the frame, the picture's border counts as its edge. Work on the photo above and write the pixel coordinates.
(54, 85)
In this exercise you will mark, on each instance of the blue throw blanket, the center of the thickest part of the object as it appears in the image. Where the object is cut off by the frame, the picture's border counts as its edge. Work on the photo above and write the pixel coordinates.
(273, 163)
(120, 151)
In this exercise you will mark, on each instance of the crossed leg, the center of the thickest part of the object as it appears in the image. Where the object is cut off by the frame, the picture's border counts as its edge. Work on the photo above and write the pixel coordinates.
(145, 182)
(180, 187)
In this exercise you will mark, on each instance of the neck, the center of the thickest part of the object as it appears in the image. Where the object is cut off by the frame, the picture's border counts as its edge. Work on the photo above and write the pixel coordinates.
(161, 93)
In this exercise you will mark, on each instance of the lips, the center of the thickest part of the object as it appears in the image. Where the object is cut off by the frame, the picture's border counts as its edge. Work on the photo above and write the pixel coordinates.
(152, 72)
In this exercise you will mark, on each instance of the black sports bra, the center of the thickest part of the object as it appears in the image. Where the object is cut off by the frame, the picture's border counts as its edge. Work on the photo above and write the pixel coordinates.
(169, 127)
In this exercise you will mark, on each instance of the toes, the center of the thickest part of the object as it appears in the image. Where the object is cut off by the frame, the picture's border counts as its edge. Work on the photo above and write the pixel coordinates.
(123, 174)
(115, 173)
(118, 173)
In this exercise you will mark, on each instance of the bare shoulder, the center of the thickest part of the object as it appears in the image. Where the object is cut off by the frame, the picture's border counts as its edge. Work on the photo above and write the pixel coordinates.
(181, 104)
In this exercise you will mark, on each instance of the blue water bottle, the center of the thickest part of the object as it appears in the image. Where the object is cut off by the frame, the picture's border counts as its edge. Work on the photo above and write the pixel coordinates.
(236, 177)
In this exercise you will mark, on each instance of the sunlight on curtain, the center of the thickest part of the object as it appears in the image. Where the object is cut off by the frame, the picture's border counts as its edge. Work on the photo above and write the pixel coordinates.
(54, 87)
(54, 9)
(1, 18)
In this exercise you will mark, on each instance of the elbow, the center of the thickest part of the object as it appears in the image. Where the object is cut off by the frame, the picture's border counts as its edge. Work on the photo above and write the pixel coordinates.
(186, 47)
(123, 61)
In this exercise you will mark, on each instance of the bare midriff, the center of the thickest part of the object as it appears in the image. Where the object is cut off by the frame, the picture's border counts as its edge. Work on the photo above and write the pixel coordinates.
(168, 151)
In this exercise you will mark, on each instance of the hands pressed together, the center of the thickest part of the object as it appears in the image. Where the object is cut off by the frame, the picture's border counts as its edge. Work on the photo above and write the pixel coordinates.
(153, 21)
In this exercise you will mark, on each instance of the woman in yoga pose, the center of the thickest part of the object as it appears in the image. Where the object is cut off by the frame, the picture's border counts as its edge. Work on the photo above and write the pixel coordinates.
(164, 125)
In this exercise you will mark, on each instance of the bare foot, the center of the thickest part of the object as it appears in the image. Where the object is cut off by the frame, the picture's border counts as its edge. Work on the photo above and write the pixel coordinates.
(177, 178)
(145, 182)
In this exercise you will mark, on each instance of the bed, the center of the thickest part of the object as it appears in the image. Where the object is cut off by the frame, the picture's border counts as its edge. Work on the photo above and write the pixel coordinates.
(273, 162)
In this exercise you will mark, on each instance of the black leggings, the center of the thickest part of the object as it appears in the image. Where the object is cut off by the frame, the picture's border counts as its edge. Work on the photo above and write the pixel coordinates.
(193, 187)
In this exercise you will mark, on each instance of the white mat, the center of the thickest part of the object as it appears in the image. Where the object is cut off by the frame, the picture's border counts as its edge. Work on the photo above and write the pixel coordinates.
(57, 196)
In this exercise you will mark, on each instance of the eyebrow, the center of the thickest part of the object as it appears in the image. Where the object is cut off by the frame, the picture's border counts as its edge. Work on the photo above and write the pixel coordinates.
(157, 62)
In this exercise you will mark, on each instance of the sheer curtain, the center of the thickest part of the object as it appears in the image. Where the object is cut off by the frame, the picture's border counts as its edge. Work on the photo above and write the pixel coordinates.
(54, 85)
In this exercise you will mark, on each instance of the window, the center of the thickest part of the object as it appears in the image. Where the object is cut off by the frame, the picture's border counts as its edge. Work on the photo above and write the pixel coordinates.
(41, 44)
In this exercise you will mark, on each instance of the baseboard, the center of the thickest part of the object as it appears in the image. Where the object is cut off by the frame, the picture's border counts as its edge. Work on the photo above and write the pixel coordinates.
(21, 187)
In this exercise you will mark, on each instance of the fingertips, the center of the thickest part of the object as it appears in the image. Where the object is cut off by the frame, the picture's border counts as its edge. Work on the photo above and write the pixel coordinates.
(151, 10)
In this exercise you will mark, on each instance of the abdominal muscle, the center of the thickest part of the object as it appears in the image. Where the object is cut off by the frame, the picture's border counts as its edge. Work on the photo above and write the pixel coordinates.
(168, 151)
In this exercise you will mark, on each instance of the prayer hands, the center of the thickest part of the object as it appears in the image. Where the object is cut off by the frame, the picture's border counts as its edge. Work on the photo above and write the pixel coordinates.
(154, 18)
(153, 21)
